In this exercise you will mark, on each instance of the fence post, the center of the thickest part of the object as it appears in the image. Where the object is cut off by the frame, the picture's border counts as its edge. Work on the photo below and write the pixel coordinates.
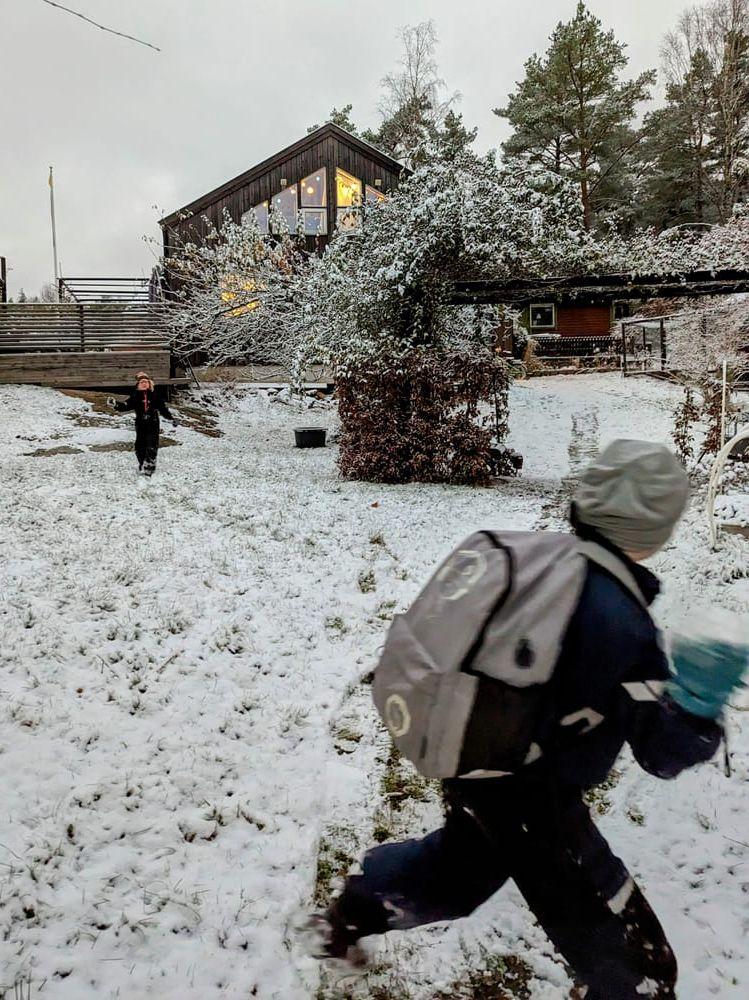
(624, 349)
(663, 344)
(81, 315)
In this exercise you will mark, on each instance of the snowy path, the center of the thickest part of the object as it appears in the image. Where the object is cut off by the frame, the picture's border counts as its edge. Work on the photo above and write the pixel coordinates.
(174, 659)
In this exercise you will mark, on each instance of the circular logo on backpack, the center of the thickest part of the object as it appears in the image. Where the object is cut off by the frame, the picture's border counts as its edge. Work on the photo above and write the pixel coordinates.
(397, 715)
(461, 574)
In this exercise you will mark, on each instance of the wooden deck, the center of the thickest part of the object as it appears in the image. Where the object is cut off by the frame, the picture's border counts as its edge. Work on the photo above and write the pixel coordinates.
(102, 369)
(86, 344)
(266, 376)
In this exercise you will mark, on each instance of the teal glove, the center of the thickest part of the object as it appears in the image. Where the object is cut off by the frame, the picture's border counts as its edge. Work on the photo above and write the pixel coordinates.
(705, 672)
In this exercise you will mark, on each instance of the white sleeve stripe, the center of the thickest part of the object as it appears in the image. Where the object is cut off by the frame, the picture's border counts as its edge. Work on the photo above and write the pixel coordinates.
(644, 690)
(620, 899)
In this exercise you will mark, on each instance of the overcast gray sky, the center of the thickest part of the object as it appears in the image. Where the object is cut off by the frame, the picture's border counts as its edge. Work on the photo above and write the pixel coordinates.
(134, 133)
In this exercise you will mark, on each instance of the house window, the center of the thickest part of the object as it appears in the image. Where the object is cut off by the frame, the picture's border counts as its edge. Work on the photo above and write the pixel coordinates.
(315, 221)
(348, 200)
(260, 213)
(287, 205)
(622, 309)
(314, 190)
(373, 196)
(543, 316)
(314, 196)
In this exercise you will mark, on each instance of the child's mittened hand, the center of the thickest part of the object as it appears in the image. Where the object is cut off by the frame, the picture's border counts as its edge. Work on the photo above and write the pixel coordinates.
(708, 667)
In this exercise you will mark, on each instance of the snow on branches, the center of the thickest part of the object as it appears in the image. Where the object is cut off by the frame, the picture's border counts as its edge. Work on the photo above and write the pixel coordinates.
(382, 290)
(235, 295)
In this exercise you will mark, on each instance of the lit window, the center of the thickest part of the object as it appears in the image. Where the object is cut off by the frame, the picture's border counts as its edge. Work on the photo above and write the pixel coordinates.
(314, 190)
(348, 200)
(234, 288)
(315, 221)
(543, 316)
(286, 203)
(261, 217)
(374, 196)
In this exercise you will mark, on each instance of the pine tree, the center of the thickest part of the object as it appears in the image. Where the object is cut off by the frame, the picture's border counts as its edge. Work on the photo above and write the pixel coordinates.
(453, 139)
(730, 124)
(706, 62)
(572, 113)
(674, 154)
(340, 117)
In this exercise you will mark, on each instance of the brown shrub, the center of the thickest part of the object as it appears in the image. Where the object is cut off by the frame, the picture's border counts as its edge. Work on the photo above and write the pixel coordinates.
(418, 418)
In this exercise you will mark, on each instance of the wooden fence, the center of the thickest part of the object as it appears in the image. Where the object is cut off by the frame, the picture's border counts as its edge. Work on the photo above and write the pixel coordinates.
(68, 327)
(577, 347)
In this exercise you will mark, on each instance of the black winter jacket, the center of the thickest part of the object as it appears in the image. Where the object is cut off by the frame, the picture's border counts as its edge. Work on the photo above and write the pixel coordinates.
(146, 403)
(607, 691)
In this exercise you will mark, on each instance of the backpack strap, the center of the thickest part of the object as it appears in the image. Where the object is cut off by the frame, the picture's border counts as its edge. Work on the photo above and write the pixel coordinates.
(614, 565)
(479, 640)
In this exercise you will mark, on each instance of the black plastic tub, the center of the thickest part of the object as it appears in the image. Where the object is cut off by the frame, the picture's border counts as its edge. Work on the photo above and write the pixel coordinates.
(310, 437)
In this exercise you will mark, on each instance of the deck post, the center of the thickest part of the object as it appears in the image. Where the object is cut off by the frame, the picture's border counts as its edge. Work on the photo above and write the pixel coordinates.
(663, 344)
(81, 318)
(624, 349)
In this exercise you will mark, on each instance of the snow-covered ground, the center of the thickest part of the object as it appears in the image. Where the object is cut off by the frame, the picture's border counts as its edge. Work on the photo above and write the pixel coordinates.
(184, 721)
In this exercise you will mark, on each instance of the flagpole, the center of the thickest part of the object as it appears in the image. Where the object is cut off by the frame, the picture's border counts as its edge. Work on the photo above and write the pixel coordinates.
(54, 233)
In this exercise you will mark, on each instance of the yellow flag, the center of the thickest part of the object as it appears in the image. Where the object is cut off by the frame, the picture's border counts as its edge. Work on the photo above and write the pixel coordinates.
(50, 177)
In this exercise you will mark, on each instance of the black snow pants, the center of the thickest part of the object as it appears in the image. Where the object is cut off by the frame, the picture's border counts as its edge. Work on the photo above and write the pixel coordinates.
(580, 892)
(147, 429)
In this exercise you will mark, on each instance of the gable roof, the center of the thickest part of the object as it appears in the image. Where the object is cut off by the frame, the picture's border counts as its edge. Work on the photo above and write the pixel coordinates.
(309, 140)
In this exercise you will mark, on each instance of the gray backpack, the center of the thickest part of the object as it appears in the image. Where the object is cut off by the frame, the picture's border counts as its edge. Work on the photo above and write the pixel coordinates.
(463, 671)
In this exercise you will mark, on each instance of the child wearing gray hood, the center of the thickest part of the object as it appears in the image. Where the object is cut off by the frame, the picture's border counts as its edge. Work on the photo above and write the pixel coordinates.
(611, 685)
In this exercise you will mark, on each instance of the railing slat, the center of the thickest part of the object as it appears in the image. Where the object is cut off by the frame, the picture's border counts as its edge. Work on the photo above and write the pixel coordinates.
(66, 327)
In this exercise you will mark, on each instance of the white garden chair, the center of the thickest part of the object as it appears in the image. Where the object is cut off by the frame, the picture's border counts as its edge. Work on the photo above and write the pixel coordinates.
(712, 489)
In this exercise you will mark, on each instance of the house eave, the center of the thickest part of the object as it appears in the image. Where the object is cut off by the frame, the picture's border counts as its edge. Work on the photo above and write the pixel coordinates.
(328, 129)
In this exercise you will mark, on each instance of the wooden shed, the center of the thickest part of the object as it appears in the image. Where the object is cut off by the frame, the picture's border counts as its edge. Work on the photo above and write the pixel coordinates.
(319, 183)
(578, 318)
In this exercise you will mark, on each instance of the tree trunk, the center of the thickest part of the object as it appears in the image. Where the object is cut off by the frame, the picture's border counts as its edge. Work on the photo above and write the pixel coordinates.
(585, 197)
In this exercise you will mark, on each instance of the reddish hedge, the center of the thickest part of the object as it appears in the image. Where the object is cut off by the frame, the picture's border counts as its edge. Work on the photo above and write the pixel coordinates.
(421, 420)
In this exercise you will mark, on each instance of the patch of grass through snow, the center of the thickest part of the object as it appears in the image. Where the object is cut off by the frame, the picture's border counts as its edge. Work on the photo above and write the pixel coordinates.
(597, 798)
(481, 975)
(335, 857)
(487, 976)
(401, 785)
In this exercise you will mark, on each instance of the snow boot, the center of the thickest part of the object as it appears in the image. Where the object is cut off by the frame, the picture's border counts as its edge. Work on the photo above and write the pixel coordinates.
(328, 938)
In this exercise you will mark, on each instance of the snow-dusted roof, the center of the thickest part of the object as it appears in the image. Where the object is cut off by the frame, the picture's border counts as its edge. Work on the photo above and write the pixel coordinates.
(311, 139)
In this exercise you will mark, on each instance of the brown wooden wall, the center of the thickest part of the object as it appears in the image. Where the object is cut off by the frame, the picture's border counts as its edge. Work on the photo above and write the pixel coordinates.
(582, 321)
(107, 369)
(330, 152)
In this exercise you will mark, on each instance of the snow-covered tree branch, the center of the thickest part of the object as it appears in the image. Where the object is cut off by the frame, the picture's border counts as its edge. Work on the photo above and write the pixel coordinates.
(234, 295)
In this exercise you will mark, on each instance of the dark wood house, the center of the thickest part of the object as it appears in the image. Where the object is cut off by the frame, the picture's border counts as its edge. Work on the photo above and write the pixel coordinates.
(575, 318)
(319, 183)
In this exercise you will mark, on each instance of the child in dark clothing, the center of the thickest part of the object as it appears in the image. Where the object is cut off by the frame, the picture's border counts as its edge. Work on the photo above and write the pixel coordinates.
(147, 404)
(612, 685)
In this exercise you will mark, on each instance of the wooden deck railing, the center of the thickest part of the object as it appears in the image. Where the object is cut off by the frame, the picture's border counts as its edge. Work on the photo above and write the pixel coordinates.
(576, 347)
(69, 327)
